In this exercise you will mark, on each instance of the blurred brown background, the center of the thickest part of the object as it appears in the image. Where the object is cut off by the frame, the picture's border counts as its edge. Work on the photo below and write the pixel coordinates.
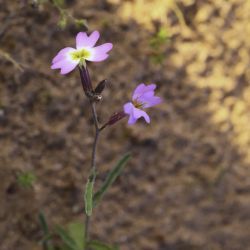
(188, 183)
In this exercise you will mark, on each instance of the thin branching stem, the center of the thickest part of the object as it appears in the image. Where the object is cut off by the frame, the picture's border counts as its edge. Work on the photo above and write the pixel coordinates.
(97, 131)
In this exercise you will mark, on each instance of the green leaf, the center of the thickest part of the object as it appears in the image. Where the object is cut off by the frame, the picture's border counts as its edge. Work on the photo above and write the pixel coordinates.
(43, 223)
(46, 239)
(67, 239)
(97, 245)
(26, 179)
(163, 34)
(112, 176)
(159, 39)
(76, 232)
(88, 197)
(47, 235)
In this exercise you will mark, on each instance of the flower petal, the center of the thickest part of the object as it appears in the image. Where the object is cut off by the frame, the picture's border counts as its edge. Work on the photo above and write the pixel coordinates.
(141, 89)
(99, 53)
(132, 120)
(62, 54)
(128, 109)
(138, 113)
(82, 39)
(134, 113)
(93, 38)
(65, 65)
(68, 67)
(149, 100)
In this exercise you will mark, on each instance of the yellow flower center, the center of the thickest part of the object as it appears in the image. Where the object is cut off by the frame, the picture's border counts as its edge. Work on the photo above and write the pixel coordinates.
(80, 54)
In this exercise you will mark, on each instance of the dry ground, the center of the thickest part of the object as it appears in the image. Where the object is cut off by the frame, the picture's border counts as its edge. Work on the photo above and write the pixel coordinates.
(187, 186)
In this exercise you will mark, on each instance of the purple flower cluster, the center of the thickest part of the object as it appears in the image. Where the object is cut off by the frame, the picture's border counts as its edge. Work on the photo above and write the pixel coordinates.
(69, 58)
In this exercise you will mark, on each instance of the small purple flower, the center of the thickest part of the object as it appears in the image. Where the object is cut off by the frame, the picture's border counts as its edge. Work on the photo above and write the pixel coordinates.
(68, 58)
(143, 97)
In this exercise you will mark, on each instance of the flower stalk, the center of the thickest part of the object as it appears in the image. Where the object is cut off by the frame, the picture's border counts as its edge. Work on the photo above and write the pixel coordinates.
(143, 97)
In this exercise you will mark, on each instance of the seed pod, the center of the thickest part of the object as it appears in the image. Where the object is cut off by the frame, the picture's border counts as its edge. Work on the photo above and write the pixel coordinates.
(101, 86)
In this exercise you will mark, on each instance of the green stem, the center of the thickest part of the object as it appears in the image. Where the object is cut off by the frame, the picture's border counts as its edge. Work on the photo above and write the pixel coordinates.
(93, 164)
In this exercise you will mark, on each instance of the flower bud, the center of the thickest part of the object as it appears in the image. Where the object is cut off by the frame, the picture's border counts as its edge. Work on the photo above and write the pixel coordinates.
(116, 117)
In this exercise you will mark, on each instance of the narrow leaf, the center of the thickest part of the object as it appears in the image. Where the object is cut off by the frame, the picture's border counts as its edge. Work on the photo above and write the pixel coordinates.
(46, 238)
(88, 197)
(114, 173)
(96, 245)
(76, 232)
(43, 223)
(47, 235)
(66, 238)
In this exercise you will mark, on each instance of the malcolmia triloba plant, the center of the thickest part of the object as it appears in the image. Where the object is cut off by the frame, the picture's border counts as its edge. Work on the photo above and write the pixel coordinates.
(143, 98)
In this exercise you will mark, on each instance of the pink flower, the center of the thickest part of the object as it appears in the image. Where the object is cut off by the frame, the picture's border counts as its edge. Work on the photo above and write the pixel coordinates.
(68, 58)
(143, 97)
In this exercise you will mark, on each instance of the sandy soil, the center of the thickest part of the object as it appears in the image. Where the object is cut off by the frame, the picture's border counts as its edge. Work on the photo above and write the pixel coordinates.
(187, 186)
